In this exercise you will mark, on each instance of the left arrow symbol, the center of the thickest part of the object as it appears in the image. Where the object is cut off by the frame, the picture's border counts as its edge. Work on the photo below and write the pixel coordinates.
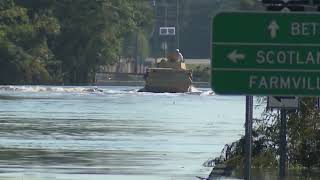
(234, 56)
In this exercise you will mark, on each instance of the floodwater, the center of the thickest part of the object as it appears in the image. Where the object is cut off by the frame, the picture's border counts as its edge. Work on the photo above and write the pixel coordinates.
(72, 133)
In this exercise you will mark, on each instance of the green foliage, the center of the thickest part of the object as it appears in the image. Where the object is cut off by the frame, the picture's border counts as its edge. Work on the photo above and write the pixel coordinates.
(92, 33)
(265, 159)
(64, 40)
(143, 45)
(303, 134)
(19, 46)
(201, 73)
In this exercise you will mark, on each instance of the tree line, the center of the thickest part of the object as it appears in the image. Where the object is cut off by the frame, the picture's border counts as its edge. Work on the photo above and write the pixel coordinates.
(65, 41)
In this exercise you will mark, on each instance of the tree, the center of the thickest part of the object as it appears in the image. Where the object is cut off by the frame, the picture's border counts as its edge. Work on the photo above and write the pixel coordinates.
(92, 32)
(24, 51)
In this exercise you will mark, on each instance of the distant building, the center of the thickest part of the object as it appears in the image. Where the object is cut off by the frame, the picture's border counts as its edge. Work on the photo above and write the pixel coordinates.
(166, 34)
(191, 20)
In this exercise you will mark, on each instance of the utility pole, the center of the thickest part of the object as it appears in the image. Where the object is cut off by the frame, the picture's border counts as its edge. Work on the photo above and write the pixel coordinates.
(177, 24)
(165, 24)
(136, 52)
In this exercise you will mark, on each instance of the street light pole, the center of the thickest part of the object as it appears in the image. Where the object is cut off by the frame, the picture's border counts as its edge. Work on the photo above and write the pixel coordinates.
(178, 26)
(165, 24)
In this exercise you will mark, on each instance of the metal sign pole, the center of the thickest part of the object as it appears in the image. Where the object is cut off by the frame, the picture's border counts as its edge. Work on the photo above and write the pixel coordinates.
(248, 136)
(283, 143)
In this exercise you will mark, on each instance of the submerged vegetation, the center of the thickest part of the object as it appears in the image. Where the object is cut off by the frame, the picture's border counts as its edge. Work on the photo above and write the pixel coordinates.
(65, 41)
(303, 136)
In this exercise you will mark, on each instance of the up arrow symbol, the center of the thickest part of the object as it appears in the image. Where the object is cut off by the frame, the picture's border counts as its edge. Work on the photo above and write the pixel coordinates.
(273, 27)
(234, 56)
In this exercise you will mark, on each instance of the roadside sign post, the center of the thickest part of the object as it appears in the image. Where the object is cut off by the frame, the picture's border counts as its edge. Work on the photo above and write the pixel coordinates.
(279, 56)
(283, 102)
(248, 136)
(318, 102)
(283, 143)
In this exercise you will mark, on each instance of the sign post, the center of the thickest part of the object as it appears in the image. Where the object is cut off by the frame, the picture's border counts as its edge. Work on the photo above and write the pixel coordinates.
(283, 143)
(280, 55)
(248, 136)
(283, 102)
(266, 53)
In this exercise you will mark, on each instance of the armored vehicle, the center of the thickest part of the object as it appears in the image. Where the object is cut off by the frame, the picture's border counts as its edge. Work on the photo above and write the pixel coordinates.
(169, 75)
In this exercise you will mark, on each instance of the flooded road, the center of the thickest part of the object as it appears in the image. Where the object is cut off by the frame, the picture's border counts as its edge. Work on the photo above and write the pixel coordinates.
(113, 132)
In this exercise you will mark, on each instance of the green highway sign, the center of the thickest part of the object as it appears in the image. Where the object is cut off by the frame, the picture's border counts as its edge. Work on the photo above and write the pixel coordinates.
(266, 53)
(273, 57)
(267, 27)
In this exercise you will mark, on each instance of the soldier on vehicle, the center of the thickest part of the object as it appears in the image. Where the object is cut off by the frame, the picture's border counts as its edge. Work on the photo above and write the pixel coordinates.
(179, 56)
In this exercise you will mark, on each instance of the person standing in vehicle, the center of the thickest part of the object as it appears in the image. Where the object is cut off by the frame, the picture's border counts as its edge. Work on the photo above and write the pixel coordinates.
(179, 56)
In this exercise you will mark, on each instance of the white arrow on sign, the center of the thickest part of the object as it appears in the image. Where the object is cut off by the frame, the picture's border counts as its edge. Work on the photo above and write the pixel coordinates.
(273, 27)
(283, 102)
(234, 56)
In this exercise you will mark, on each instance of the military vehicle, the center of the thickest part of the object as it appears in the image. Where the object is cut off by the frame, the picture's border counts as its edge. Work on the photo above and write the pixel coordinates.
(169, 75)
